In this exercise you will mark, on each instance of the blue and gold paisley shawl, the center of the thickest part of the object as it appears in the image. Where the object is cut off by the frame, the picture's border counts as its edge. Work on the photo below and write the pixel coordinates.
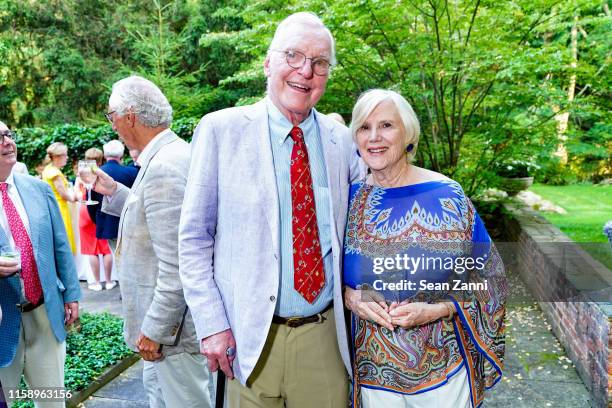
(428, 219)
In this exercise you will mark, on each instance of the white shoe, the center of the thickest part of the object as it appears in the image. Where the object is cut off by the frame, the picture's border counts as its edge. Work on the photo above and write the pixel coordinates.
(110, 285)
(97, 287)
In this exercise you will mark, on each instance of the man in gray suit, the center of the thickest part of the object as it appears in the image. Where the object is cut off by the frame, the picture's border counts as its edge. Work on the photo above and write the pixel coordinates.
(261, 233)
(158, 323)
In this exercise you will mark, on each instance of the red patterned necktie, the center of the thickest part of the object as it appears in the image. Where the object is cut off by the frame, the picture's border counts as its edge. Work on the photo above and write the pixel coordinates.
(29, 271)
(308, 273)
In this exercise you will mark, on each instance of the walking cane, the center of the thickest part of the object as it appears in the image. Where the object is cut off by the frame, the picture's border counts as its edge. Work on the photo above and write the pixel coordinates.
(231, 353)
(220, 394)
(2, 401)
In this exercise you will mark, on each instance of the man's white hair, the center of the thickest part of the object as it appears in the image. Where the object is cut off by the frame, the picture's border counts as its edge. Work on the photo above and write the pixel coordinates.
(310, 22)
(114, 149)
(143, 98)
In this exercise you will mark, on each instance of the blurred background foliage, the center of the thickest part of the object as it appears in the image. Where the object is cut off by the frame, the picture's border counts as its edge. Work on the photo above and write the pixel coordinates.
(491, 81)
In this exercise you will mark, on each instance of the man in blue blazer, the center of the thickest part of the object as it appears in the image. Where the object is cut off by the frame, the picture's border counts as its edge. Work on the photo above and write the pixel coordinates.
(39, 300)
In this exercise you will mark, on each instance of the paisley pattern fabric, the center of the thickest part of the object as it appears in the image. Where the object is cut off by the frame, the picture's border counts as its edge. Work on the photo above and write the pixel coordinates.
(431, 220)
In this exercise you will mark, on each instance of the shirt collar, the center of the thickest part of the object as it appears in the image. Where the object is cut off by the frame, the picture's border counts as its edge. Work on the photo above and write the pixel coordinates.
(281, 126)
(10, 180)
(146, 151)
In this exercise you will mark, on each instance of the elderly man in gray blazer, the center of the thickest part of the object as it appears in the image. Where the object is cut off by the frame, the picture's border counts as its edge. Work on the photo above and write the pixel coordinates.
(158, 323)
(262, 228)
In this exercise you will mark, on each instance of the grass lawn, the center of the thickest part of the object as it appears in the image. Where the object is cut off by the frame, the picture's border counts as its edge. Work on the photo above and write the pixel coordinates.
(588, 208)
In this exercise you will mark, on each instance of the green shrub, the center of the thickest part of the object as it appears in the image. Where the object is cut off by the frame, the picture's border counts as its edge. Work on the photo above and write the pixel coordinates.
(515, 168)
(555, 173)
(89, 352)
(32, 143)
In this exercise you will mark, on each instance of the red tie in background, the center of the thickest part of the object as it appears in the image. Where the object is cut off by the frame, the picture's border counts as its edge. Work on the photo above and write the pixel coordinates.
(29, 271)
(308, 274)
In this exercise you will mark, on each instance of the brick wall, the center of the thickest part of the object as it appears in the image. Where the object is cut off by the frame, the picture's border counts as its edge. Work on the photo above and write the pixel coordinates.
(572, 288)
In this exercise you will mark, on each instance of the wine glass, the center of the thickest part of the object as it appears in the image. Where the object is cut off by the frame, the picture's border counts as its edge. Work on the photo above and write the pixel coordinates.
(87, 174)
(10, 253)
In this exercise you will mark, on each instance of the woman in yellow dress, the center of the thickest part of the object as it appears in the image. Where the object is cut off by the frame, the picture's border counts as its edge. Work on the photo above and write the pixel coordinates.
(57, 156)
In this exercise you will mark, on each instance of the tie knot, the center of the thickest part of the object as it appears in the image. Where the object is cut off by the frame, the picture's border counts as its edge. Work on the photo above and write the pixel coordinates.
(296, 134)
(4, 187)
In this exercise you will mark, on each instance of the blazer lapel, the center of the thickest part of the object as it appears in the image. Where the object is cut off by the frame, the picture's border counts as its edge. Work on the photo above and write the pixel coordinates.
(166, 138)
(158, 144)
(258, 127)
(4, 240)
(32, 207)
(333, 161)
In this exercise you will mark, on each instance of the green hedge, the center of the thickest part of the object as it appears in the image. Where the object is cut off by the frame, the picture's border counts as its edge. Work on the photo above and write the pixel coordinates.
(89, 352)
(32, 143)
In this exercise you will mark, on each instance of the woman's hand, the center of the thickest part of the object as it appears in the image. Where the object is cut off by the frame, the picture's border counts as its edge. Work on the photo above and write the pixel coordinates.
(408, 315)
(369, 305)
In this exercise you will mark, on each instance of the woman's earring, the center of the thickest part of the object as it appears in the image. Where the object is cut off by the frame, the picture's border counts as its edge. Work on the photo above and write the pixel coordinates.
(358, 154)
(409, 148)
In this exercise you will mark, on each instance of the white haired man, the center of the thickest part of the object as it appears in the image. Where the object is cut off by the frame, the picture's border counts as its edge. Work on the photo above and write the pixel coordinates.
(157, 323)
(259, 257)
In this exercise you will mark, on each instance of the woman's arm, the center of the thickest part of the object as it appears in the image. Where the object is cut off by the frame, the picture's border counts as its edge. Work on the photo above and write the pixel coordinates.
(62, 190)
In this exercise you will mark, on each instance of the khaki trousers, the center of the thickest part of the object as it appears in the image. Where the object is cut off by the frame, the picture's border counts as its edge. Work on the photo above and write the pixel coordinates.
(299, 368)
(40, 358)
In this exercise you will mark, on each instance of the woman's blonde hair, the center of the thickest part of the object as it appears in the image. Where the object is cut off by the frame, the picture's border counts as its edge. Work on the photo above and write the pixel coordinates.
(55, 149)
(95, 154)
(369, 100)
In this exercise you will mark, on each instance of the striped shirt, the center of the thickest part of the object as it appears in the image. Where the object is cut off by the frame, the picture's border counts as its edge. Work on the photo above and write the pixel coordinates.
(290, 302)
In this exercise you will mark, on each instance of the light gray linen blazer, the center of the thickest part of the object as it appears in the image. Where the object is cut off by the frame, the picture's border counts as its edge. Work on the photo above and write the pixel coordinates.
(229, 232)
(147, 248)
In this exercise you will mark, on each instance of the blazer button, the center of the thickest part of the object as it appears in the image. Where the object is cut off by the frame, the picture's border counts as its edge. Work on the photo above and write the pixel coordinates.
(272, 298)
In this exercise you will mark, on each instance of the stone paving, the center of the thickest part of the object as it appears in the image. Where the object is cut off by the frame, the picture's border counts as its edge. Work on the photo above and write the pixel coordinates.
(537, 372)
(103, 301)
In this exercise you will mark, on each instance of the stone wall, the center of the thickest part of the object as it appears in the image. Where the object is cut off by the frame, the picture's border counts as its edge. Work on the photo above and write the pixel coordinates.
(572, 289)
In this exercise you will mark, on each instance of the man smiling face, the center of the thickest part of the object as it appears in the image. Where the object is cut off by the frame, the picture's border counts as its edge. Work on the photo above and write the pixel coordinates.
(294, 91)
(8, 151)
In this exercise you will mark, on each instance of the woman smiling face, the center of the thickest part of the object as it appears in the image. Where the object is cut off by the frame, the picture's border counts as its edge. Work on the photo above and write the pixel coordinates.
(381, 140)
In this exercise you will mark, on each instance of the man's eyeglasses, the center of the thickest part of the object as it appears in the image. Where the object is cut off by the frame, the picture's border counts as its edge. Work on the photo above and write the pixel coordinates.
(109, 116)
(6, 133)
(296, 60)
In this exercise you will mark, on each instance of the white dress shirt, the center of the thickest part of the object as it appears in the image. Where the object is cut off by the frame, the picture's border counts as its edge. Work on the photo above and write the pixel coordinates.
(16, 198)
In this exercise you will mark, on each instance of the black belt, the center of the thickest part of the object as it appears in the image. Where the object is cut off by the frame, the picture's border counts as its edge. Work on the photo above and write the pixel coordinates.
(299, 321)
(28, 307)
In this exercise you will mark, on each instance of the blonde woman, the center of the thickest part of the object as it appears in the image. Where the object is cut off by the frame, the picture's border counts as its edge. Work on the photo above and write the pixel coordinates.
(57, 156)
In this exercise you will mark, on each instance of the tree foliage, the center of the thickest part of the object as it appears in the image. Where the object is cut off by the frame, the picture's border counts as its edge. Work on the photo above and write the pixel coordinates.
(486, 78)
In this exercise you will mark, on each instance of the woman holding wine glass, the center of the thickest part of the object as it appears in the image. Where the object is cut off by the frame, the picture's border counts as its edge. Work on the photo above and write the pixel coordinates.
(91, 246)
(57, 157)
